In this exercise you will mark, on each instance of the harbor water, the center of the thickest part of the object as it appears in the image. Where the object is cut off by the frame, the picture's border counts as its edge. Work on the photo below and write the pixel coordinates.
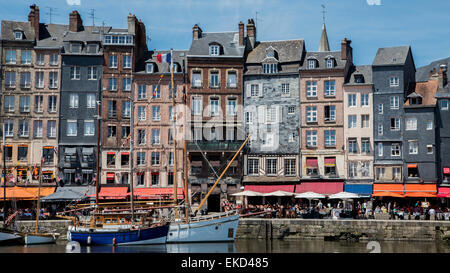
(247, 246)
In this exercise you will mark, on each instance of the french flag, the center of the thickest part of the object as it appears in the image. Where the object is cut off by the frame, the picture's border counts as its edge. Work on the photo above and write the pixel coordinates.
(163, 58)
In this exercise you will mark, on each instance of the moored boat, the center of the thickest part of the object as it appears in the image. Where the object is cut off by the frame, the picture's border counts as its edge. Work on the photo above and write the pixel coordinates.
(10, 237)
(41, 238)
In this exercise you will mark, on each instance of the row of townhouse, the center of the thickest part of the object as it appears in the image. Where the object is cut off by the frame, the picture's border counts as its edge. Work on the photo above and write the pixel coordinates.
(316, 121)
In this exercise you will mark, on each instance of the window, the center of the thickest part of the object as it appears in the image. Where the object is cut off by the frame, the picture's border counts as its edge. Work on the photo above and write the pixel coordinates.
(444, 104)
(352, 122)
(10, 79)
(196, 105)
(92, 73)
(253, 166)
(330, 138)
(271, 166)
(394, 102)
(25, 80)
(396, 173)
(26, 56)
(311, 89)
(311, 64)
(155, 179)
(214, 50)
(126, 109)
(141, 139)
(112, 109)
(140, 177)
(365, 121)
(88, 127)
(125, 131)
(112, 61)
(126, 59)
(38, 104)
(51, 128)
(352, 146)
(140, 158)
(48, 154)
(365, 168)
(291, 109)
(75, 47)
(380, 173)
(413, 147)
(142, 91)
(232, 80)
(380, 129)
(112, 84)
(149, 68)
(311, 166)
(141, 113)
(111, 159)
(155, 158)
(124, 159)
(196, 79)
(429, 148)
(248, 117)
(37, 128)
(22, 155)
(214, 79)
(73, 101)
(174, 90)
(330, 88)
(365, 146)
(330, 167)
(395, 124)
(429, 125)
(156, 91)
(289, 166)
(394, 81)
(364, 99)
(351, 100)
(214, 106)
(53, 79)
(54, 59)
(39, 79)
(52, 104)
(155, 137)
(254, 90)
(231, 107)
(75, 73)
(330, 63)
(11, 56)
(395, 149)
(9, 103)
(285, 89)
(352, 169)
(9, 128)
(18, 35)
(380, 149)
(311, 138)
(126, 84)
(270, 68)
(311, 114)
(330, 113)
(24, 104)
(380, 108)
(40, 59)
(411, 124)
(156, 113)
(271, 115)
(24, 130)
(90, 100)
(112, 131)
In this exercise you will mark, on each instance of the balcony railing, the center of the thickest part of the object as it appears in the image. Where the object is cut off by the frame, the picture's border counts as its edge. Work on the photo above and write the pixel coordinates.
(214, 145)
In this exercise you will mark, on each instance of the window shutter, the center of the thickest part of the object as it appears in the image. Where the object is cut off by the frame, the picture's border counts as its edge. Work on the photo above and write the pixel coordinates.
(248, 91)
(260, 90)
(261, 114)
(279, 114)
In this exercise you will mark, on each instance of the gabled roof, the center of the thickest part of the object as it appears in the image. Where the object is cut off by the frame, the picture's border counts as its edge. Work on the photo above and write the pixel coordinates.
(178, 57)
(425, 90)
(288, 51)
(228, 40)
(423, 73)
(391, 55)
(364, 70)
(321, 57)
(87, 34)
(8, 28)
(51, 35)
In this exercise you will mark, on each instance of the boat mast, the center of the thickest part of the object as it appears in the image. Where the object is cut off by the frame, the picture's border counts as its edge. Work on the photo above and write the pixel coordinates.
(174, 118)
(131, 158)
(4, 175)
(39, 194)
(98, 152)
(186, 198)
(220, 177)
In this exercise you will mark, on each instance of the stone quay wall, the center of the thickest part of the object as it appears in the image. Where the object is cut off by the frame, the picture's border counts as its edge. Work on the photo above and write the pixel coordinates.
(59, 226)
(292, 229)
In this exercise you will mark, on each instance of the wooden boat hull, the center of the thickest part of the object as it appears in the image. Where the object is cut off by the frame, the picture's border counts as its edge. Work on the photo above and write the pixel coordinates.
(142, 236)
(214, 230)
(44, 238)
(8, 237)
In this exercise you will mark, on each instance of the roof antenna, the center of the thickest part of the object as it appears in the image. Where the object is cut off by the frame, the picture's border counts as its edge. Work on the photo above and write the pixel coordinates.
(92, 15)
(323, 13)
(50, 13)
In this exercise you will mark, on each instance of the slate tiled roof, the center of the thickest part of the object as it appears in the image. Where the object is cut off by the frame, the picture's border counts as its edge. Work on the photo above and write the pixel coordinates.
(364, 70)
(423, 73)
(228, 40)
(391, 55)
(178, 57)
(288, 51)
(8, 28)
(51, 35)
(321, 57)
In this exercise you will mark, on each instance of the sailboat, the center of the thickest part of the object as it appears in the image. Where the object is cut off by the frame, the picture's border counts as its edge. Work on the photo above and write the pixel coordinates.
(36, 238)
(112, 228)
(211, 228)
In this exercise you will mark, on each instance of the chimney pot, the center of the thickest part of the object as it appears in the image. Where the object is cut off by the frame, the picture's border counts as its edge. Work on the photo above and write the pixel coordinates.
(251, 32)
(33, 18)
(75, 22)
(196, 32)
(241, 33)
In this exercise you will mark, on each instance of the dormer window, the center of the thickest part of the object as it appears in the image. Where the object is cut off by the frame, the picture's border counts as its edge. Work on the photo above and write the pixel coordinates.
(149, 68)
(18, 35)
(415, 101)
(92, 48)
(359, 78)
(175, 67)
(311, 64)
(271, 54)
(214, 50)
(270, 68)
(330, 63)
(75, 47)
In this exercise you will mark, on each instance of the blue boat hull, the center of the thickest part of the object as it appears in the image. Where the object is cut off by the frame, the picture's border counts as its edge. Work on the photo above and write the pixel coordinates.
(155, 235)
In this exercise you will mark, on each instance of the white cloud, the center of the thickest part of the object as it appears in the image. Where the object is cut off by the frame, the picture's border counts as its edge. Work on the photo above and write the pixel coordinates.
(73, 2)
(374, 2)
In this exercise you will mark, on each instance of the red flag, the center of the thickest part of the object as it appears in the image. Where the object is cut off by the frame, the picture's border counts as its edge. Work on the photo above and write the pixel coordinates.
(159, 58)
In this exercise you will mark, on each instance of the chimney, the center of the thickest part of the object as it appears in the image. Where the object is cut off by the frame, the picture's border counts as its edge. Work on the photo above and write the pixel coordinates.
(346, 50)
(196, 32)
(132, 21)
(241, 33)
(75, 22)
(251, 32)
(442, 76)
(33, 18)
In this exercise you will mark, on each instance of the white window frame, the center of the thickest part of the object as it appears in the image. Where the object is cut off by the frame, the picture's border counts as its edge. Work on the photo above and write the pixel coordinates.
(351, 100)
(90, 100)
(311, 114)
(352, 121)
(70, 132)
(396, 148)
(73, 101)
(92, 73)
(329, 89)
(394, 81)
(411, 124)
(214, 50)
(380, 149)
(311, 89)
(75, 73)
(394, 102)
(430, 125)
(364, 100)
(413, 147)
(89, 128)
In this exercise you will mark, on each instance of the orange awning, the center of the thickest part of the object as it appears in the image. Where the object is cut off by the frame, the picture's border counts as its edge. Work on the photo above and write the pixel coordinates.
(412, 165)
(388, 193)
(157, 193)
(113, 193)
(44, 191)
(19, 193)
(391, 190)
(420, 190)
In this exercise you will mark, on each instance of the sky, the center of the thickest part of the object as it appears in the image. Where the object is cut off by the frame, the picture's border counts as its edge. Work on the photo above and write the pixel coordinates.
(370, 24)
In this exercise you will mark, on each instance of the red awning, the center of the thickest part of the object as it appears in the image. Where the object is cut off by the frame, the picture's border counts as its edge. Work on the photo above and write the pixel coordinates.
(109, 175)
(126, 153)
(412, 165)
(330, 161)
(311, 162)
(444, 192)
(111, 153)
(113, 193)
(157, 193)
(446, 170)
(269, 188)
(326, 188)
